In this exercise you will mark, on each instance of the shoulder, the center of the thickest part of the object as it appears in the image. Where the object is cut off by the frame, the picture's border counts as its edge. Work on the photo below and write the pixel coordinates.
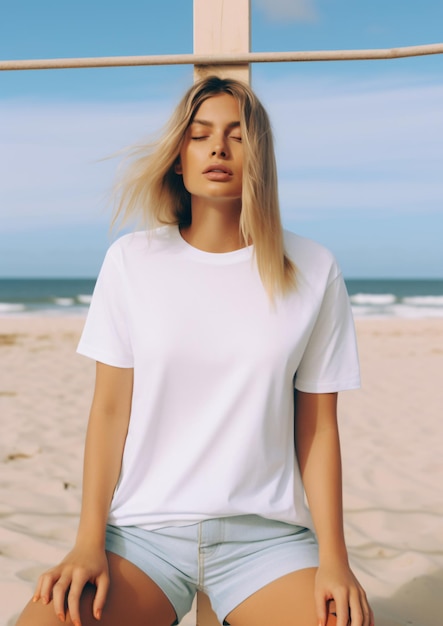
(311, 258)
(140, 243)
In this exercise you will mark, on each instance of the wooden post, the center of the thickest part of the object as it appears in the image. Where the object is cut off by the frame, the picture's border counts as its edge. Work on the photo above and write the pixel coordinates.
(222, 27)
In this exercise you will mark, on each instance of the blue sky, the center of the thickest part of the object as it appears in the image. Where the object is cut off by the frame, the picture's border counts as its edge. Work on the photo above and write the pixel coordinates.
(359, 144)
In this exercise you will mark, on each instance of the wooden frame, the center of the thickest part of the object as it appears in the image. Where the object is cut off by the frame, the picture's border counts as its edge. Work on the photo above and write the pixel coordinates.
(222, 27)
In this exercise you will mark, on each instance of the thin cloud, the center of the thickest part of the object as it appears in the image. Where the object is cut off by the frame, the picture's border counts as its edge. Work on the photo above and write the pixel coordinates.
(348, 150)
(294, 10)
(359, 146)
(308, 199)
(54, 164)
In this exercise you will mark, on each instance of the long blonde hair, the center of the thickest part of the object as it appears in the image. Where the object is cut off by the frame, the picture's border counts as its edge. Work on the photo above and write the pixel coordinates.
(150, 187)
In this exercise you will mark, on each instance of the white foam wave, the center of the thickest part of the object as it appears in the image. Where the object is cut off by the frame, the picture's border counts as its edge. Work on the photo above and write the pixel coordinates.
(64, 301)
(6, 307)
(373, 299)
(363, 311)
(397, 310)
(428, 301)
(412, 312)
(84, 299)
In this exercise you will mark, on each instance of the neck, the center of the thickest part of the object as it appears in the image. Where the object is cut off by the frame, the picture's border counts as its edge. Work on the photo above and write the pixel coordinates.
(215, 227)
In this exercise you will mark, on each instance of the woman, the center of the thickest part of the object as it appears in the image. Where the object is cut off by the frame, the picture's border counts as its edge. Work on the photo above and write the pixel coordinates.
(202, 328)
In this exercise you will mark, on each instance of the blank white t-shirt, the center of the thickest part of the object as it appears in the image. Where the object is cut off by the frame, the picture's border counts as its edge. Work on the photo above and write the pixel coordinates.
(211, 430)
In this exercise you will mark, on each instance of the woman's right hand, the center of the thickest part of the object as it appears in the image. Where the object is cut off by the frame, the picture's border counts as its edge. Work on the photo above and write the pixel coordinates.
(65, 583)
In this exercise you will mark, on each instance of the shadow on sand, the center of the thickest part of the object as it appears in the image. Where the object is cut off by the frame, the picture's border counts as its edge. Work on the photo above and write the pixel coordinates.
(417, 603)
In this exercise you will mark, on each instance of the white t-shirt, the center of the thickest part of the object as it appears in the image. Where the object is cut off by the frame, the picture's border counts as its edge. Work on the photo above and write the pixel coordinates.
(215, 363)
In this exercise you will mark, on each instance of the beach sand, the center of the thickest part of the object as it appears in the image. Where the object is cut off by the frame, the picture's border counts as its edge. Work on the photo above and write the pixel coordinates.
(392, 457)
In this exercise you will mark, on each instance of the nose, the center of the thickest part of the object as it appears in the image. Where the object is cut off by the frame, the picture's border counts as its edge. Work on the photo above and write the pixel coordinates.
(219, 148)
(219, 152)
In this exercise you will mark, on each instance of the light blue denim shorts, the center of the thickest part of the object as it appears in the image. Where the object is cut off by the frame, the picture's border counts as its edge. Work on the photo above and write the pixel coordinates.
(228, 558)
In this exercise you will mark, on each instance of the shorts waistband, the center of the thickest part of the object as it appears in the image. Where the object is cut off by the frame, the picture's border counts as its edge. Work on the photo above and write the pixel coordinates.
(234, 529)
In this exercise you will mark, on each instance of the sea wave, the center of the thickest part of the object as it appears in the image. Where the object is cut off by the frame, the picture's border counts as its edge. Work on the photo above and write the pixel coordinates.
(11, 308)
(424, 301)
(57, 307)
(64, 301)
(407, 307)
(400, 311)
(370, 298)
(84, 299)
(373, 299)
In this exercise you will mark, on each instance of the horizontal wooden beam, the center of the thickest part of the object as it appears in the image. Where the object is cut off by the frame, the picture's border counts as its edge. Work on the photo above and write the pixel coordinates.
(224, 59)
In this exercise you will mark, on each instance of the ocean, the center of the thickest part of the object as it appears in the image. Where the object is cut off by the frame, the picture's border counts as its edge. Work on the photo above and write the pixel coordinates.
(370, 298)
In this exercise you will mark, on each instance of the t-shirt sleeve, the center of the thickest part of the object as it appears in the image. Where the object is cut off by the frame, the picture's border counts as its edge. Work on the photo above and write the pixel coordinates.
(106, 336)
(330, 360)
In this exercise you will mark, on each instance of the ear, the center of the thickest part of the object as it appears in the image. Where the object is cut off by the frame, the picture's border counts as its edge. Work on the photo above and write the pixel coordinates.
(178, 167)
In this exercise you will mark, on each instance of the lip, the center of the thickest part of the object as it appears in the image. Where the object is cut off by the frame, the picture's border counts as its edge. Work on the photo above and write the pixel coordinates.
(217, 168)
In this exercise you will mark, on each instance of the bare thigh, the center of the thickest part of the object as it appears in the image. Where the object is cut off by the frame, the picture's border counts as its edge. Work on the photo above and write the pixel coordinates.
(287, 601)
(133, 598)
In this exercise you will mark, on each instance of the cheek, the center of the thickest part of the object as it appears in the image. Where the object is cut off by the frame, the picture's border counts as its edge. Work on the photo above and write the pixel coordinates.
(187, 173)
(182, 166)
(240, 166)
(187, 161)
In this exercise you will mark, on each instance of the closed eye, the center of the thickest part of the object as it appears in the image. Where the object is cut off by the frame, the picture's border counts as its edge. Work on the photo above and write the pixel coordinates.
(199, 138)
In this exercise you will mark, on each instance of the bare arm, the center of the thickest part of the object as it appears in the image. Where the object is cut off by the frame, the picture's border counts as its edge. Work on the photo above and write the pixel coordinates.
(318, 453)
(105, 440)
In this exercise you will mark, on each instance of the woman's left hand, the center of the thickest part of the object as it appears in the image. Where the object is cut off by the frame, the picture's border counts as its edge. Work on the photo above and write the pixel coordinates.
(337, 582)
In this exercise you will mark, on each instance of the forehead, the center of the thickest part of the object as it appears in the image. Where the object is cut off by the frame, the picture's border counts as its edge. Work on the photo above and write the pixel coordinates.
(221, 107)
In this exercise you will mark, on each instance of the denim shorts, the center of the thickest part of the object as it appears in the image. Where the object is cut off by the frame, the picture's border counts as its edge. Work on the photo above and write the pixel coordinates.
(228, 558)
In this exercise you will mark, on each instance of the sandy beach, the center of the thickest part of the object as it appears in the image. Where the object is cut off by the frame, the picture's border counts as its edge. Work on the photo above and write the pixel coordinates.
(392, 457)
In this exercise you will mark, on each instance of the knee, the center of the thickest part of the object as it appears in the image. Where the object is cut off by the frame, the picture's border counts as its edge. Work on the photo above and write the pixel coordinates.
(37, 614)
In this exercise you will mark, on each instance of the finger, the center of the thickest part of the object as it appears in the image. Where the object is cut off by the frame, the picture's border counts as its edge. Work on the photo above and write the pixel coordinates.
(321, 602)
(77, 585)
(342, 608)
(59, 592)
(356, 609)
(47, 581)
(322, 614)
(331, 620)
(368, 615)
(102, 583)
(37, 592)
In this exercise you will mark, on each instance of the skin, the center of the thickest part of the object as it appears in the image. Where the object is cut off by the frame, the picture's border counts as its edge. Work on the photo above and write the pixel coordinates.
(216, 205)
(90, 584)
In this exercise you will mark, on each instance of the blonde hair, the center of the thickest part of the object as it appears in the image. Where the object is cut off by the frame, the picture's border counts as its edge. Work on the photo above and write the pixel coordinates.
(150, 187)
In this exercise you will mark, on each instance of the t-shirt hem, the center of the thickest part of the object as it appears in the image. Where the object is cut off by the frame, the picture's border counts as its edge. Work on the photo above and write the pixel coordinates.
(103, 357)
(302, 520)
(329, 387)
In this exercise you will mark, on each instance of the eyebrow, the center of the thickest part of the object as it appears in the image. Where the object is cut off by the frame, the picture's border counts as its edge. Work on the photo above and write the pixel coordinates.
(235, 124)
